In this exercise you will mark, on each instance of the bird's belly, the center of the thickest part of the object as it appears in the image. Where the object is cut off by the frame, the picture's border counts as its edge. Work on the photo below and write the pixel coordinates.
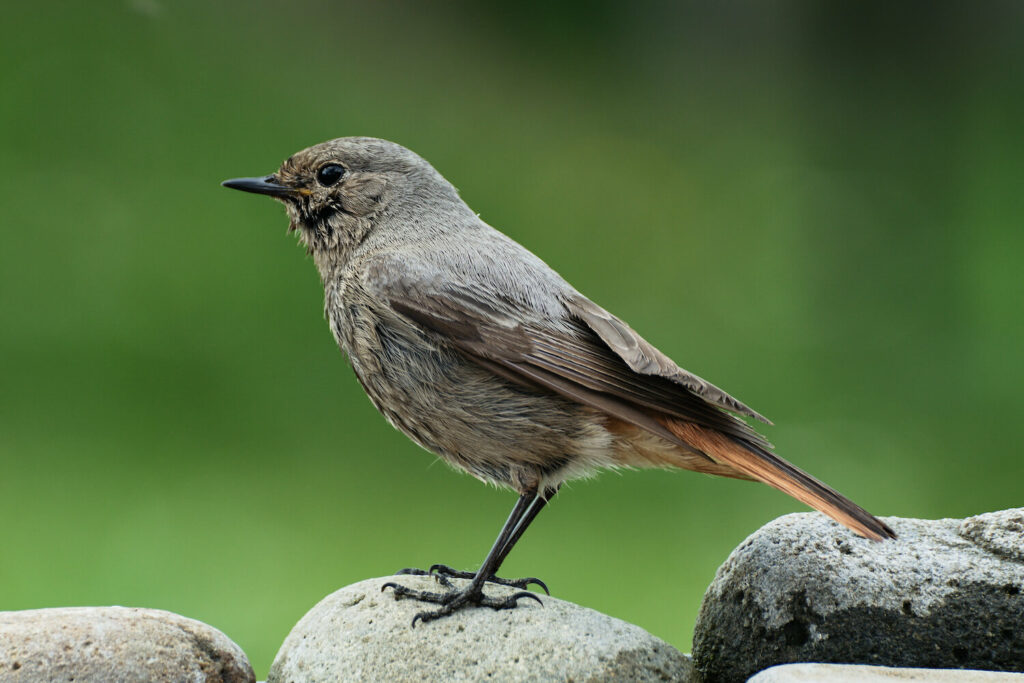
(498, 431)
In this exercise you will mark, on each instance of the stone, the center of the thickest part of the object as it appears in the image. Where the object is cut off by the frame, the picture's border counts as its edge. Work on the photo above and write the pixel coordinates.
(360, 633)
(861, 673)
(1000, 533)
(946, 594)
(94, 644)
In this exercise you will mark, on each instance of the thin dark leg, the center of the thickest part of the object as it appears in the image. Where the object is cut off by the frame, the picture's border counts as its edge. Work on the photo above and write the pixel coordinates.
(473, 593)
(538, 503)
(519, 512)
(443, 572)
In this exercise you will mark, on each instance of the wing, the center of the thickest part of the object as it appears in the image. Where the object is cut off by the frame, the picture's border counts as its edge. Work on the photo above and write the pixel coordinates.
(585, 353)
(643, 358)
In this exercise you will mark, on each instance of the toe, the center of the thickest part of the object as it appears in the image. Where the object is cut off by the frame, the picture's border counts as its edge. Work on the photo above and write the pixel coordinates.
(411, 571)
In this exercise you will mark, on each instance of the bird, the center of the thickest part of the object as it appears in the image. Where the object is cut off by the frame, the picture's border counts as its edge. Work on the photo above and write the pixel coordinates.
(481, 353)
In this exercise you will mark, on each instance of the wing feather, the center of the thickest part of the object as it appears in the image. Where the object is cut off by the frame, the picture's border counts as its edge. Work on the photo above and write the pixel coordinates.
(575, 360)
(644, 358)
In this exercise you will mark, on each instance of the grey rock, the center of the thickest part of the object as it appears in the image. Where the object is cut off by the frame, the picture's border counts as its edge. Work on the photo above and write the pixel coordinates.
(945, 594)
(860, 673)
(87, 644)
(361, 634)
(1001, 533)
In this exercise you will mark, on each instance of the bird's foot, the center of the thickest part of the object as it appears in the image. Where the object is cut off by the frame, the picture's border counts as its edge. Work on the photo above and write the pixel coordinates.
(455, 599)
(443, 573)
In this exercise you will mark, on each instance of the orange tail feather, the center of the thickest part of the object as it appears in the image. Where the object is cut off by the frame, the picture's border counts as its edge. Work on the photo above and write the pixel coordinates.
(760, 464)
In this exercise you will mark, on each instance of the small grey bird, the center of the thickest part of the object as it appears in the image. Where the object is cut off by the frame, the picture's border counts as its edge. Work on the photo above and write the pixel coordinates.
(481, 353)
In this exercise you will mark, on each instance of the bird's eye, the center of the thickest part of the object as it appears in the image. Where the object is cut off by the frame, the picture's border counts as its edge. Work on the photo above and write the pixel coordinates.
(330, 174)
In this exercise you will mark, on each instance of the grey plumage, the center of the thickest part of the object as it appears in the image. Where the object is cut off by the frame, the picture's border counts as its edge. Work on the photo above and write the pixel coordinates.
(481, 353)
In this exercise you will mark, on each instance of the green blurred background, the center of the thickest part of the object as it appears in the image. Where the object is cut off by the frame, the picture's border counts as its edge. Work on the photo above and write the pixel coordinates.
(817, 206)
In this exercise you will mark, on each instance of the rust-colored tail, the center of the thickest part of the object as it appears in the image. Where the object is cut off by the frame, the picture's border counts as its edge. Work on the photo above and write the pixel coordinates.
(758, 463)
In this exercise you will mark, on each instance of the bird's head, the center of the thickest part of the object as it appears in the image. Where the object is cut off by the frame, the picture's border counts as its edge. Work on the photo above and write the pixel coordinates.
(334, 191)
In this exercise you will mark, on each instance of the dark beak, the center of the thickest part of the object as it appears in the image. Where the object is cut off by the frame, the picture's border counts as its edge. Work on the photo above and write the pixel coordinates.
(266, 185)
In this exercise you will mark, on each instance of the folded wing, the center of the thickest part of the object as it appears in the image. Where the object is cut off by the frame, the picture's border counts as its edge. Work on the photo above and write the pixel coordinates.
(590, 356)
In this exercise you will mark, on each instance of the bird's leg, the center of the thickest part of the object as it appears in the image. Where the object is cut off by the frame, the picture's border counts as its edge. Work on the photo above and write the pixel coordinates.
(525, 510)
(538, 503)
(443, 572)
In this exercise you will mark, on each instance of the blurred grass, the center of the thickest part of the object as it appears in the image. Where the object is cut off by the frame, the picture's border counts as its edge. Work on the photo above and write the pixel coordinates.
(816, 207)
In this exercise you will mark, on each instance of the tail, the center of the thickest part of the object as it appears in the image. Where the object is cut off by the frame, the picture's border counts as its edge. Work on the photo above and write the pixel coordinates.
(750, 460)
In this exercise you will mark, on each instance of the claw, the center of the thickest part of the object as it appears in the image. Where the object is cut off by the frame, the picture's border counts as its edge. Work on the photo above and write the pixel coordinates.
(533, 579)
(511, 601)
(445, 569)
(527, 594)
(411, 571)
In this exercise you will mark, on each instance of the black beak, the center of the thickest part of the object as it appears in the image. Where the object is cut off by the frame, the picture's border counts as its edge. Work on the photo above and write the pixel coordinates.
(265, 185)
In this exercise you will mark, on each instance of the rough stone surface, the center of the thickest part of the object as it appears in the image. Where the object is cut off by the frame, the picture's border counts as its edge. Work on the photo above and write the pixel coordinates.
(1000, 533)
(859, 673)
(803, 589)
(360, 634)
(86, 644)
